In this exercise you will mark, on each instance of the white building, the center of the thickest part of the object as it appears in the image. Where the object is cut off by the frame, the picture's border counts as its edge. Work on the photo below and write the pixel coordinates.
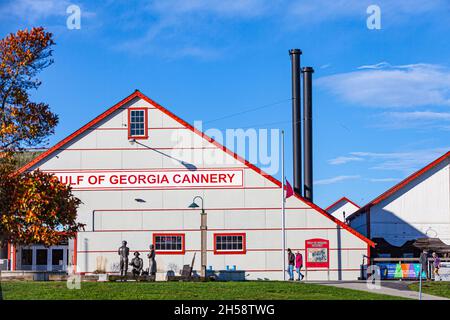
(137, 167)
(342, 208)
(417, 207)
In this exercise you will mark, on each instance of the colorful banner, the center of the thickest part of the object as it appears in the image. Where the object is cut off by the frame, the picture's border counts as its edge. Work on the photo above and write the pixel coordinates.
(400, 271)
(118, 179)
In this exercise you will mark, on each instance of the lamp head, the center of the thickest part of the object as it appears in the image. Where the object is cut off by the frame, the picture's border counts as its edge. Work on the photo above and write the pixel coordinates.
(193, 205)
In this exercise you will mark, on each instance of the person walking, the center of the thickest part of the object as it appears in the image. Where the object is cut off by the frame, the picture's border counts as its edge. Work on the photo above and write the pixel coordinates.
(299, 265)
(291, 264)
(436, 265)
(424, 263)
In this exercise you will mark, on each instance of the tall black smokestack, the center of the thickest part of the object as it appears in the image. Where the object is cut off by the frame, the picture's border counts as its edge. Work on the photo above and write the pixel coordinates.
(307, 132)
(296, 125)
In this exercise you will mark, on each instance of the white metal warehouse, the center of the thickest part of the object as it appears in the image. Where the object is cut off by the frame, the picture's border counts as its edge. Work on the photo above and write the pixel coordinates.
(137, 167)
(417, 207)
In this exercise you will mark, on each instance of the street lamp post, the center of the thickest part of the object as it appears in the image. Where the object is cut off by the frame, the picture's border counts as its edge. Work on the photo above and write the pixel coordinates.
(203, 229)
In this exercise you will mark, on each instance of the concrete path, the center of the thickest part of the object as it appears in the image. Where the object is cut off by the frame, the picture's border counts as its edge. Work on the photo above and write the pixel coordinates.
(392, 288)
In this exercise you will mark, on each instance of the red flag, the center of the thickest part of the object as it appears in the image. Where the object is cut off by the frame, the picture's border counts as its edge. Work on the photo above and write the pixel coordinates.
(288, 189)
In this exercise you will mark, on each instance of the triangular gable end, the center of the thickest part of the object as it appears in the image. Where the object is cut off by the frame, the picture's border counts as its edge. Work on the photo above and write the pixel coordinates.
(138, 94)
(403, 183)
(343, 199)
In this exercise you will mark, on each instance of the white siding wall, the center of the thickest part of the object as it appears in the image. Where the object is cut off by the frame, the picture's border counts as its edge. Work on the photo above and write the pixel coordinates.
(418, 209)
(339, 208)
(254, 210)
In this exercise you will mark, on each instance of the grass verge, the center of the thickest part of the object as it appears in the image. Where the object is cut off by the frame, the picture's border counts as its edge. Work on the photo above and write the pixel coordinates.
(438, 288)
(249, 290)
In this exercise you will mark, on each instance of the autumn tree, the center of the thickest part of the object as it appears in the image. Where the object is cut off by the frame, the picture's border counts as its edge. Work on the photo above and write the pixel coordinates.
(34, 206)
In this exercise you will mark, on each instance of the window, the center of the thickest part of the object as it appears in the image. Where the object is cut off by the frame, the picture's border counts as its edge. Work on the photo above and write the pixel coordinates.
(137, 123)
(166, 243)
(27, 257)
(41, 257)
(229, 243)
(57, 257)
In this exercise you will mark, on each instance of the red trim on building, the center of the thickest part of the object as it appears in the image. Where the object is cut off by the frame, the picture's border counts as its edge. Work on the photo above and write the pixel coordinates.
(186, 209)
(246, 250)
(402, 184)
(138, 94)
(183, 243)
(136, 148)
(174, 188)
(317, 243)
(9, 251)
(340, 200)
(244, 243)
(212, 229)
(14, 258)
(78, 132)
(337, 221)
(142, 169)
(145, 136)
(149, 128)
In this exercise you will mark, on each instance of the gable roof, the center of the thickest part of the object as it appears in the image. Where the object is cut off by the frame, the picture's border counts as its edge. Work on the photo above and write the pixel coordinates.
(138, 94)
(345, 199)
(403, 183)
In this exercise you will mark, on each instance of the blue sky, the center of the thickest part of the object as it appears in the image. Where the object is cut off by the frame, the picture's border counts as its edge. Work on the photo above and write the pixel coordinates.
(381, 97)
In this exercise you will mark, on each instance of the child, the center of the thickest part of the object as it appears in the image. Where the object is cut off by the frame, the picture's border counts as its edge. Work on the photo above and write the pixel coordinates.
(436, 265)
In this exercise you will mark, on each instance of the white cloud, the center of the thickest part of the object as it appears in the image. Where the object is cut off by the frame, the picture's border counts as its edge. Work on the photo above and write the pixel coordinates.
(241, 8)
(406, 162)
(414, 119)
(344, 160)
(205, 24)
(383, 179)
(394, 11)
(386, 86)
(32, 10)
(335, 180)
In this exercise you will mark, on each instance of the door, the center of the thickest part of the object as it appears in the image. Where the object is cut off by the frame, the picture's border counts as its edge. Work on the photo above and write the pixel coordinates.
(26, 259)
(59, 259)
(41, 258)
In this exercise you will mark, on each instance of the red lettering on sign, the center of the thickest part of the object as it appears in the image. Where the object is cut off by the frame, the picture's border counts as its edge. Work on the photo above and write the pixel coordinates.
(92, 180)
(113, 179)
(230, 176)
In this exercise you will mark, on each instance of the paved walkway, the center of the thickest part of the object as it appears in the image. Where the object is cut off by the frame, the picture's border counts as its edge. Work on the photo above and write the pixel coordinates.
(392, 288)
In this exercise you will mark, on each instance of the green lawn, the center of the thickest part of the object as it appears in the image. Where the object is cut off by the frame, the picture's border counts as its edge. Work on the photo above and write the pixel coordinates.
(438, 288)
(251, 290)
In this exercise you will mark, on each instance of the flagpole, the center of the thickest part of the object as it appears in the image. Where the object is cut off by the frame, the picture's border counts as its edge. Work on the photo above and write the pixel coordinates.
(283, 201)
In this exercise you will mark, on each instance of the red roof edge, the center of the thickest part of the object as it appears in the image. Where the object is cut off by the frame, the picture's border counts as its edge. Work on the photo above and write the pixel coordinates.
(138, 94)
(337, 221)
(78, 132)
(341, 199)
(404, 182)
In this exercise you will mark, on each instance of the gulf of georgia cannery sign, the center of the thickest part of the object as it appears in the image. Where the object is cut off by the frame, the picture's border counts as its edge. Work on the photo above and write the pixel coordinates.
(141, 179)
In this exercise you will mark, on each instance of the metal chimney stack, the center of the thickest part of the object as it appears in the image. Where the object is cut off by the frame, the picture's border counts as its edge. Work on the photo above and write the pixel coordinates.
(296, 116)
(307, 133)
